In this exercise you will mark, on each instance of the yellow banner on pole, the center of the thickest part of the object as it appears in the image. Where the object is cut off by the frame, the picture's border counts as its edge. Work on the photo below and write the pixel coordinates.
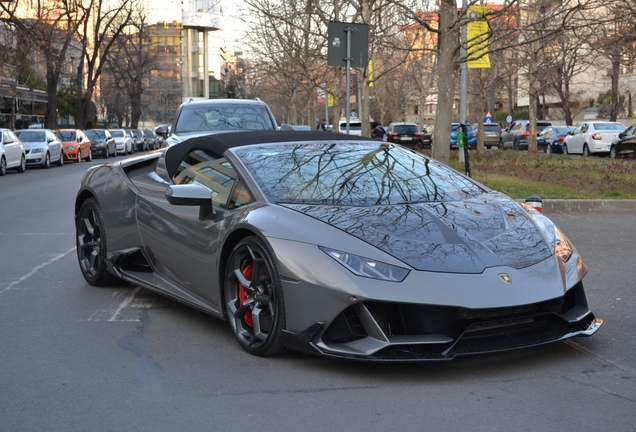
(330, 99)
(370, 69)
(477, 35)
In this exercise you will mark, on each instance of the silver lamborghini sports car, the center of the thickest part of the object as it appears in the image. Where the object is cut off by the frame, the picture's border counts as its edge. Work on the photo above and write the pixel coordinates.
(334, 245)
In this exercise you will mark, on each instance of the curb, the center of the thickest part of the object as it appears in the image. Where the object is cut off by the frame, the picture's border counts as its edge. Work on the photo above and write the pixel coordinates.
(582, 206)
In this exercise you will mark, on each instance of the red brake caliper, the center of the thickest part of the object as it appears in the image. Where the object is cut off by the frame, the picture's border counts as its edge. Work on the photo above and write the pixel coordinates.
(247, 272)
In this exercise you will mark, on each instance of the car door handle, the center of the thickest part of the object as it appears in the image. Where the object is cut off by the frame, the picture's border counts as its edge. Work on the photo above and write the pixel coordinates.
(145, 207)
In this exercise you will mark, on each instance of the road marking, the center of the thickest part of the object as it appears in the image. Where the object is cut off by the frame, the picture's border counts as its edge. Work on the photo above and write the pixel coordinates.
(35, 269)
(126, 310)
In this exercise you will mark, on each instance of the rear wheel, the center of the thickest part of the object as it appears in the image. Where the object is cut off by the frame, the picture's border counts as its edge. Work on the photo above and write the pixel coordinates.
(91, 244)
(565, 149)
(586, 150)
(254, 298)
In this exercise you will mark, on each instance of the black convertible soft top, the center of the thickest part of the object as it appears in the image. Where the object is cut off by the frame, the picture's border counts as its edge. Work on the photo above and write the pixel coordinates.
(219, 143)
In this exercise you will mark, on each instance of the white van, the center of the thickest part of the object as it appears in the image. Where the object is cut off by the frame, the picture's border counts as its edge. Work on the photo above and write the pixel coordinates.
(355, 127)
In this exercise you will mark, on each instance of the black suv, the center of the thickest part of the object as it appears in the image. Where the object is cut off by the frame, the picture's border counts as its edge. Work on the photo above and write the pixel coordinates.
(204, 117)
(407, 134)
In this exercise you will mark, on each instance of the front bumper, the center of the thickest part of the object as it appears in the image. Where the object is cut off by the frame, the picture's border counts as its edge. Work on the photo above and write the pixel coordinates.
(71, 155)
(100, 151)
(384, 331)
(35, 159)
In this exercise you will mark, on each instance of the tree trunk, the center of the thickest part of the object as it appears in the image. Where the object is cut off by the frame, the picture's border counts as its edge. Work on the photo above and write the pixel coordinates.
(446, 83)
(616, 68)
(50, 116)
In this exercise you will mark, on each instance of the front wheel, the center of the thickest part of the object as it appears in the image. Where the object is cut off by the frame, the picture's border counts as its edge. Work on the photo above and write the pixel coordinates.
(91, 244)
(613, 152)
(89, 158)
(22, 167)
(548, 148)
(60, 161)
(47, 161)
(254, 298)
(3, 166)
(565, 149)
(586, 150)
(515, 145)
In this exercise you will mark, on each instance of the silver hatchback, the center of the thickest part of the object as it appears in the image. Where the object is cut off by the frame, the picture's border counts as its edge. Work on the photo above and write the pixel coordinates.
(42, 147)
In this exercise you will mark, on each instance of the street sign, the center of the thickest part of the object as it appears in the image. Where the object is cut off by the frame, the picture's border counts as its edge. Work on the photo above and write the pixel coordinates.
(337, 48)
(509, 119)
(488, 118)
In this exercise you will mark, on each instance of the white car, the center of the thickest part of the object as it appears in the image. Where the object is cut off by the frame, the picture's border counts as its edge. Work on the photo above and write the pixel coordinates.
(592, 137)
(123, 142)
(12, 154)
(42, 147)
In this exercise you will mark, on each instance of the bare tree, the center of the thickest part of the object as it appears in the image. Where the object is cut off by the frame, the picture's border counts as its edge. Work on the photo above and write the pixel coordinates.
(98, 33)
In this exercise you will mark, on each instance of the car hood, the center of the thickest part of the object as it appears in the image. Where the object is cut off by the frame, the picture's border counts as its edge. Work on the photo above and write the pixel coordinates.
(34, 145)
(460, 236)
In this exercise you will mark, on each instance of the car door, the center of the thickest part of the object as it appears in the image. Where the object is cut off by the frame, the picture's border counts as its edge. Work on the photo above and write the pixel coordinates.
(570, 140)
(183, 247)
(12, 148)
(543, 139)
(55, 146)
(506, 135)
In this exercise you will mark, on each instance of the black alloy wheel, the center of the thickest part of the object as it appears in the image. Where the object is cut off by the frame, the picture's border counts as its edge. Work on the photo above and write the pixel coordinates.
(254, 298)
(91, 244)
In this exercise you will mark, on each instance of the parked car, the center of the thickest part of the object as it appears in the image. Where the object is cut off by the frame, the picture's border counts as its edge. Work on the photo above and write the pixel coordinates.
(492, 134)
(76, 145)
(123, 142)
(139, 140)
(333, 245)
(42, 147)
(427, 135)
(12, 155)
(303, 127)
(625, 144)
(472, 138)
(551, 139)
(102, 142)
(407, 134)
(592, 137)
(152, 140)
(212, 116)
(355, 126)
(516, 135)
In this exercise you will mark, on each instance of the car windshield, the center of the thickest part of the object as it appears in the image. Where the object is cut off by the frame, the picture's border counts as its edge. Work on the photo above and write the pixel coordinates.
(540, 127)
(117, 133)
(137, 133)
(609, 126)
(406, 129)
(223, 117)
(93, 134)
(31, 136)
(352, 174)
(149, 134)
(66, 135)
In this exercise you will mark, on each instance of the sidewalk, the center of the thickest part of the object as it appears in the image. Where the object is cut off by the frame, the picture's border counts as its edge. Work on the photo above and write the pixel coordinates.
(557, 206)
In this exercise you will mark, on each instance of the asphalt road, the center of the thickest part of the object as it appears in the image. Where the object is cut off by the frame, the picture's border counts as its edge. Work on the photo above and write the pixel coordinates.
(75, 357)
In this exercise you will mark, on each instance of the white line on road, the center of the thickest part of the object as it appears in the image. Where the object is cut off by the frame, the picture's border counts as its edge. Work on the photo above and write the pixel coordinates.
(125, 303)
(35, 269)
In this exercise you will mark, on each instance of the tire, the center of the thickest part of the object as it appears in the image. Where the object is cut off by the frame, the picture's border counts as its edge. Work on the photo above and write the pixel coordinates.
(22, 166)
(586, 150)
(91, 244)
(60, 162)
(89, 158)
(256, 322)
(565, 149)
(3, 166)
(548, 148)
(613, 152)
(515, 145)
(47, 161)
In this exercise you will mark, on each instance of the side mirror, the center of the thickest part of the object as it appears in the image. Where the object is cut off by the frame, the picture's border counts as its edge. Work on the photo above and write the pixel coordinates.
(286, 127)
(621, 135)
(191, 195)
(162, 130)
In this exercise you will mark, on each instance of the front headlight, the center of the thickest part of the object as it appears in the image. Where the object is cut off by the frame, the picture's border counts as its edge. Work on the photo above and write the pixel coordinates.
(557, 240)
(367, 267)
(37, 150)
